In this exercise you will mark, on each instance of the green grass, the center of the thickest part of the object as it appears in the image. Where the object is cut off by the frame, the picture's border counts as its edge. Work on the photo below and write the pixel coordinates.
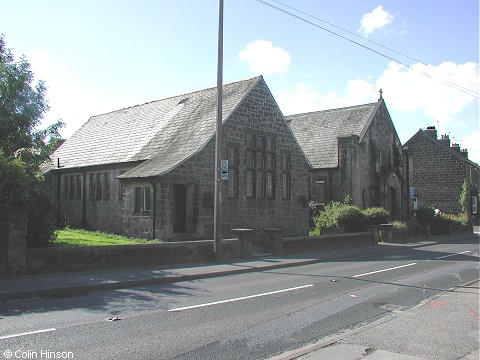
(77, 237)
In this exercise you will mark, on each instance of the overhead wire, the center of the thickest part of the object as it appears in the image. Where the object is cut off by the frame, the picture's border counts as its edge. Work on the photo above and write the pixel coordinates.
(445, 82)
(365, 39)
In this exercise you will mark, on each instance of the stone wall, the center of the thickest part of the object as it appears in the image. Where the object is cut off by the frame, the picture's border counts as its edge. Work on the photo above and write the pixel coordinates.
(66, 259)
(13, 244)
(299, 244)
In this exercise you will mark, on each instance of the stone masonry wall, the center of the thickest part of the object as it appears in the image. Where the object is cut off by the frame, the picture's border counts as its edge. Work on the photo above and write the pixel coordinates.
(436, 174)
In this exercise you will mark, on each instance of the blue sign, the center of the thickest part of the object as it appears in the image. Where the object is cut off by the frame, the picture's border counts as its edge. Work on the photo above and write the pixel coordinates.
(412, 192)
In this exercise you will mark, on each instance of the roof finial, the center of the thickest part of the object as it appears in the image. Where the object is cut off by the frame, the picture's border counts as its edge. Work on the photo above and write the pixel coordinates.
(381, 94)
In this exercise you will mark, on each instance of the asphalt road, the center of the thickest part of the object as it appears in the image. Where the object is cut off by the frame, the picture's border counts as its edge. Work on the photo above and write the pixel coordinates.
(248, 316)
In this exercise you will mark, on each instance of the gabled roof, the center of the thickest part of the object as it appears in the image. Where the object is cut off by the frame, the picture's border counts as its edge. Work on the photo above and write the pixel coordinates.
(423, 135)
(160, 133)
(318, 132)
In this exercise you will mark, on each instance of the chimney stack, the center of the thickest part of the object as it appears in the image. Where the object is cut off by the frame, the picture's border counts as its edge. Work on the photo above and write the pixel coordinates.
(464, 153)
(445, 140)
(431, 131)
(455, 147)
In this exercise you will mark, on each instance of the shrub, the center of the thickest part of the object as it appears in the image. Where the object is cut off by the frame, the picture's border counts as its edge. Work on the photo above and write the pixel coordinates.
(425, 214)
(376, 216)
(351, 219)
(399, 225)
(460, 218)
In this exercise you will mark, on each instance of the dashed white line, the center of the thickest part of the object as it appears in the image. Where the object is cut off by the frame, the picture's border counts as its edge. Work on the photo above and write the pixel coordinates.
(26, 333)
(446, 256)
(241, 298)
(379, 271)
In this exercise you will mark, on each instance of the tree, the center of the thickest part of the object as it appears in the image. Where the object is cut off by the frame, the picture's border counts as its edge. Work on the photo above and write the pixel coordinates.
(24, 147)
(22, 107)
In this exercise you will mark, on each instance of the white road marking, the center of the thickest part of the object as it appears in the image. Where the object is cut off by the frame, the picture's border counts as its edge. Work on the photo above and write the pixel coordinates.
(26, 333)
(446, 256)
(241, 298)
(379, 271)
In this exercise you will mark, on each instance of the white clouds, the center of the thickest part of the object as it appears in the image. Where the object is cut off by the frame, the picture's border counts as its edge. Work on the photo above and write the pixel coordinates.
(376, 19)
(472, 144)
(264, 58)
(408, 90)
(306, 98)
(69, 100)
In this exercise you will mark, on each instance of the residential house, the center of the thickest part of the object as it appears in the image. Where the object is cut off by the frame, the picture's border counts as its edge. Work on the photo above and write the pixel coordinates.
(148, 170)
(437, 170)
(353, 151)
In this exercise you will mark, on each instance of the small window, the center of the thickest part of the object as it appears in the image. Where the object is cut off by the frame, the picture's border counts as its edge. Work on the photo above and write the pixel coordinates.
(183, 101)
(91, 187)
(142, 203)
(137, 199)
(107, 186)
(474, 204)
(78, 187)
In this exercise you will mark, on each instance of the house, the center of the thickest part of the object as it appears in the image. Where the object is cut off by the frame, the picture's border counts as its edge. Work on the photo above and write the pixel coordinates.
(437, 170)
(353, 151)
(148, 170)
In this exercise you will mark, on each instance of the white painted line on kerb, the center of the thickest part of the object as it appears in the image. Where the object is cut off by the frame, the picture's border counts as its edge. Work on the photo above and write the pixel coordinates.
(446, 256)
(26, 333)
(241, 298)
(379, 271)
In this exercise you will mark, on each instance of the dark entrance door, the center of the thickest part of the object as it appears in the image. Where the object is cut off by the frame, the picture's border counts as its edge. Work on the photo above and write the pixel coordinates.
(392, 202)
(179, 208)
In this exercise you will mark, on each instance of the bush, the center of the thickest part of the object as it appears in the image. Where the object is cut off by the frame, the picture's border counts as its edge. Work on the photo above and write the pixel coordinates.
(399, 225)
(458, 219)
(425, 214)
(351, 219)
(376, 216)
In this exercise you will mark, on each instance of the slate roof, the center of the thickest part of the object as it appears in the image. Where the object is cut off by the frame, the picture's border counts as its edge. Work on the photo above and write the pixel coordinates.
(317, 132)
(161, 133)
(448, 149)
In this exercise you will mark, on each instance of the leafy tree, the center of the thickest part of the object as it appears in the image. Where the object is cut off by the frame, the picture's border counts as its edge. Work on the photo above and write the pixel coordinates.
(23, 146)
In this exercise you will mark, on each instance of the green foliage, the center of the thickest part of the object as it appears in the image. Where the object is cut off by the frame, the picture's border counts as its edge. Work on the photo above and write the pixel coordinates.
(376, 216)
(24, 147)
(463, 198)
(459, 218)
(41, 220)
(22, 106)
(351, 219)
(76, 237)
(340, 217)
(399, 225)
(425, 214)
(14, 184)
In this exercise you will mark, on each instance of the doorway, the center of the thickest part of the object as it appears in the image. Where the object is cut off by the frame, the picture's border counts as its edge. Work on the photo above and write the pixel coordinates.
(392, 202)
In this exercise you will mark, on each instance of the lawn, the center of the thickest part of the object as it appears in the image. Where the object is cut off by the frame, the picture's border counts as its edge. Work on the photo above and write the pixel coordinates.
(77, 237)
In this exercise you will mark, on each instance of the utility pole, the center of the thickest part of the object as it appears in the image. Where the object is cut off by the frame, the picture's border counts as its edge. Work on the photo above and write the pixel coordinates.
(217, 224)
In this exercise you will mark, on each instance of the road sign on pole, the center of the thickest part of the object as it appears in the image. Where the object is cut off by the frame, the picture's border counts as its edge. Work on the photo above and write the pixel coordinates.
(224, 170)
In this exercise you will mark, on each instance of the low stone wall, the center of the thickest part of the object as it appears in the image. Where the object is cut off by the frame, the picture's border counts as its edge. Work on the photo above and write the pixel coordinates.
(299, 244)
(449, 229)
(409, 235)
(65, 259)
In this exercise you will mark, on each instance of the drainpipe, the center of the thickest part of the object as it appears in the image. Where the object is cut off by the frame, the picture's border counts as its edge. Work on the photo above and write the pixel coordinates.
(84, 200)
(154, 208)
(407, 170)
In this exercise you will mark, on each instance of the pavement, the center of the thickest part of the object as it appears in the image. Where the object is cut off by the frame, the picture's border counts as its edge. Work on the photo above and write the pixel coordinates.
(67, 284)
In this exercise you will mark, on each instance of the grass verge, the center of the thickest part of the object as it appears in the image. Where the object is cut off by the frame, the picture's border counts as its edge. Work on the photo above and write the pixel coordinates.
(78, 237)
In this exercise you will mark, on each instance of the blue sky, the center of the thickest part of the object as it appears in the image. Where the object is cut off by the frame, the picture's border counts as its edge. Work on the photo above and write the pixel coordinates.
(100, 56)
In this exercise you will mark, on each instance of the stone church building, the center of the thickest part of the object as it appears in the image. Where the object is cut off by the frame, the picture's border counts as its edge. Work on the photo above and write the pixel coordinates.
(353, 151)
(148, 170)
